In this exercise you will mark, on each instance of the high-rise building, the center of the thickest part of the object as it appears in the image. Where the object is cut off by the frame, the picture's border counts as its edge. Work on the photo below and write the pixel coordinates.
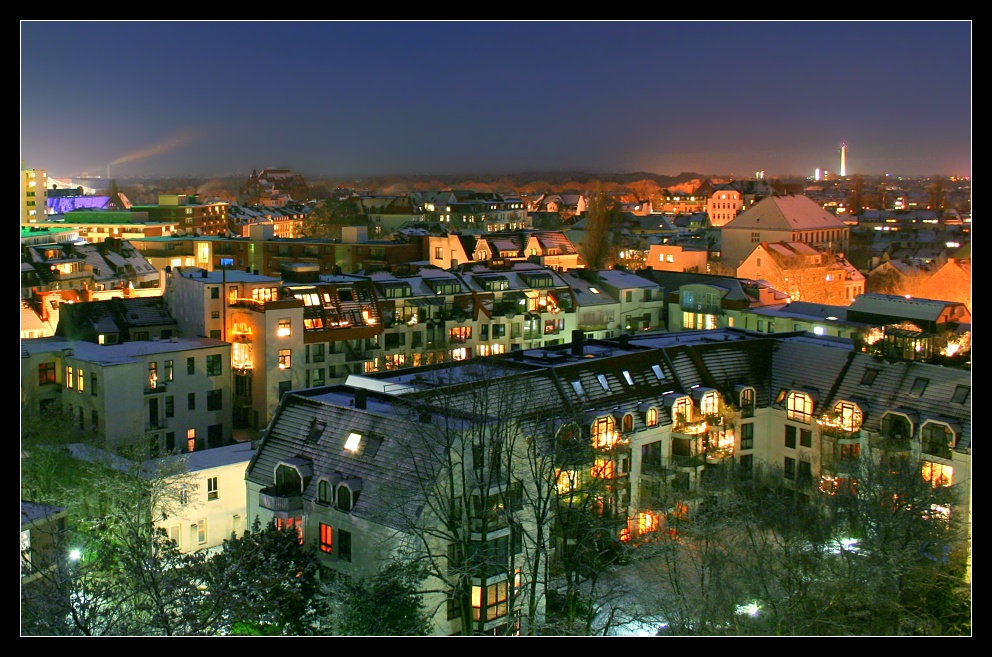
(843, 160)
(34, 194)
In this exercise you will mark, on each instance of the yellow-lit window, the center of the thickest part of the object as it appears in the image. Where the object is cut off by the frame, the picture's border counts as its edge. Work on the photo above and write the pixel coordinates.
(710, 403)
(191, 440)
(603, 433)
(70, 379)
(652, 417)
(603, 469)
(682, 411)
(646, 522)
(938, 474)
(565, 481)
(79, 379)
(850, 416)
(285, 359)
(285, 328)
(800, 407)
(496, 605)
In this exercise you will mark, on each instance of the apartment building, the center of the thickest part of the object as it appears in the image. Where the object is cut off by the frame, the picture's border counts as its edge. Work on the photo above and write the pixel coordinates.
(661, 414)
(67, 265)
(34, 194)
(209, 505)
(174, 394)
(193, 216)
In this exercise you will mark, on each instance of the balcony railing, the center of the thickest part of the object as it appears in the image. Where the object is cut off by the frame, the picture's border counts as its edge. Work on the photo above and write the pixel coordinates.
(693, 461)
(154, 390)
(269, 498)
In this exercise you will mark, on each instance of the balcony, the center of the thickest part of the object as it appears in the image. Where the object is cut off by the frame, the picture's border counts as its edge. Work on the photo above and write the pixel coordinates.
(162, 423)
(684, 462)
(155, 389)
(269, 498)
(893, 443)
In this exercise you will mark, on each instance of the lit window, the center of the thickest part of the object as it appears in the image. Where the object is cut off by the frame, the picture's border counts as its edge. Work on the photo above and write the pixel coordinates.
(326, 538)
(354, 439)
(285, 328)
(602, 381)
(938, 474)
(652, 417)
(800, 407)
(627, 378)
(285, 359)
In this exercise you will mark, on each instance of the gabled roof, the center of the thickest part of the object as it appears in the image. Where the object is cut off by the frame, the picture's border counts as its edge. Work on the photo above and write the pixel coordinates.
(785, 213)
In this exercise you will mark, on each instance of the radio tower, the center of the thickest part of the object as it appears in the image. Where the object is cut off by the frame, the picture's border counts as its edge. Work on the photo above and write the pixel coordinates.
(843, 160)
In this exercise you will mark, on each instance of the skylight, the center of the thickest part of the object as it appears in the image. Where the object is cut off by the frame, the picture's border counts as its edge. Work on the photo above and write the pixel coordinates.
(577, 386)
(627, 378)
(961, 394)
(919, 386)
(594, 290)
(869, 377)
(603, 382)
(657, 372)
(354, 439)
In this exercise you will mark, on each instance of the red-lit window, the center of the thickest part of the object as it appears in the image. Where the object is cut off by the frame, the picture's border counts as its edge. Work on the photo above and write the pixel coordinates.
(46, 373)
(326, 538)
(291, 523)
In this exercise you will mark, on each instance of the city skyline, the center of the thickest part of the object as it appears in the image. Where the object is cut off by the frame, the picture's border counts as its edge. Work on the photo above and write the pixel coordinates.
(367, 98)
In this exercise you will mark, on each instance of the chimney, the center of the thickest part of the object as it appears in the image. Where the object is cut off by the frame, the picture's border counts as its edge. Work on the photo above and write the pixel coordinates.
(578, 342)
(361, 399)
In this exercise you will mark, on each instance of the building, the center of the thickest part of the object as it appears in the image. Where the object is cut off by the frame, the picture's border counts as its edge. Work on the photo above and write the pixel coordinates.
(803, 272)
(657, 415)
(192, 216)
(34, 194)
(676, 257)
(43, 531)
(64, 265)
(782, 219)
(172, 394)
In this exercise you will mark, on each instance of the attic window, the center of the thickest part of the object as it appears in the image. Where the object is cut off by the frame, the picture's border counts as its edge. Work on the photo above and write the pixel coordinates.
(602, 381)
(657, 372)
(594, 290)
(627, 378)
(577, 386)
(869, 377)
(919, 386)
(781, 396)
(354, 440)
(960, 394)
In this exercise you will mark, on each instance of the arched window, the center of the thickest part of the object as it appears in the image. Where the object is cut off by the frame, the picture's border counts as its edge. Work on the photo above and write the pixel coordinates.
(652, 417)
(288, 481)
(324, 492)
(344, 498)
(628, 422)
(682, 411)
(896, 426)
(850, 416)
(710, 403)
(938, 439)
(800, 407)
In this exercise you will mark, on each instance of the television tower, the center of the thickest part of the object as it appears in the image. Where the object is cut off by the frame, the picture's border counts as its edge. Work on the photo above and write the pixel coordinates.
(843, 160)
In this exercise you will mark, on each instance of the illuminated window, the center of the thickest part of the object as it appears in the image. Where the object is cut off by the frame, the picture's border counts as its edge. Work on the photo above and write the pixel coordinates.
(353, 441)
(285, 328)
(938, 474)
(710, 403)
(603, 469)
(850, 416)
(603, 434)
(326, 538)
(79, 379)
(70, 380)
(46, 373)
(285, 359)
(169, 370)
(682, 411)
(800, 407)
(495, 604)
(565, 481)
(646, 522)
(152, 375)
(652, 417)
(191, 440)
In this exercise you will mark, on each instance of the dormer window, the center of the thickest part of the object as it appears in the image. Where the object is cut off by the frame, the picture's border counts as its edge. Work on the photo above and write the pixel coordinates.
(849, 416)
(747, 402)
(938, 439)
(800, 407)
(347, 494)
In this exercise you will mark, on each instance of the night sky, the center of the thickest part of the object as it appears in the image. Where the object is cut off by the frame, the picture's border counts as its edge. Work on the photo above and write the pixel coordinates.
(405, 97)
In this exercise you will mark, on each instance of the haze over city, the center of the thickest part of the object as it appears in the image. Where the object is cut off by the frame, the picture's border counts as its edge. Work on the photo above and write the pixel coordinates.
(325, 98)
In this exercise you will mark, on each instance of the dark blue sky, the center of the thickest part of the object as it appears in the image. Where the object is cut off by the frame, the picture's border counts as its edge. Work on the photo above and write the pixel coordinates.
(378, 98)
